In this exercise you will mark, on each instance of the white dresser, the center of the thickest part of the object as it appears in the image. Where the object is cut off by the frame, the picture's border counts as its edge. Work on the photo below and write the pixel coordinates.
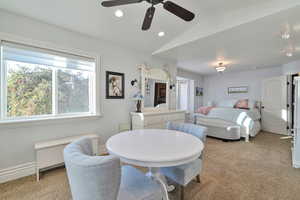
(153, 120)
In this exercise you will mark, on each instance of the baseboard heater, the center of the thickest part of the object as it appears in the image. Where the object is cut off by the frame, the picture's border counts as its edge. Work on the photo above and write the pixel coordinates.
(49, 154)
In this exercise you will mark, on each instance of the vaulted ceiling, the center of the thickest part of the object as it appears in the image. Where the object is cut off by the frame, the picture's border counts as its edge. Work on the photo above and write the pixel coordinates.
(245, 34)
(252, 45)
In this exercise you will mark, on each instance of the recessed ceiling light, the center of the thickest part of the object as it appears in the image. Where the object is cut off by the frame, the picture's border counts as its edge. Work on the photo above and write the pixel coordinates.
(119, 13)
(286, 36)
(161, 34)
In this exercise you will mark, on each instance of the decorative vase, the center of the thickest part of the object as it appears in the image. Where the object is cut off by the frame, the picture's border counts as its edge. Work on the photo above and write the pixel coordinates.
(138, 106)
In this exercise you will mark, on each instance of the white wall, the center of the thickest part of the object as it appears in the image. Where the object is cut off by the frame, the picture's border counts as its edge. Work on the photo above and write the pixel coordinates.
(291, 68)
(16, 141)
(216, 86)
(198, 82)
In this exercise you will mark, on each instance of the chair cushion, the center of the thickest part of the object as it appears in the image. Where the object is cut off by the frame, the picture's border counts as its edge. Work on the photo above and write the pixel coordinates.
(135, 185)
(195, 130)
(91, 177)
(183, 174)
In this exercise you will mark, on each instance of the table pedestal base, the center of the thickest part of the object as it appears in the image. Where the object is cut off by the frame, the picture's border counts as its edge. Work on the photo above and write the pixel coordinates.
(161, 179)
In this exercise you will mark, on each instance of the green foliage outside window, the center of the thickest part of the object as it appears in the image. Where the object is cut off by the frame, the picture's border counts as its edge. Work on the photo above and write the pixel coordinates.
(29, 90)
(73, 91)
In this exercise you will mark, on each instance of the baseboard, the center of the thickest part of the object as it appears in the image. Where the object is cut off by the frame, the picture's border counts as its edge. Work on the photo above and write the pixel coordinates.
(286, 133)
(16, 172)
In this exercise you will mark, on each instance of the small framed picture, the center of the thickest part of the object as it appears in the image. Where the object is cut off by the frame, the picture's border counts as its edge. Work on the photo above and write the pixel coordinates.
(115, 85)
(199, 91)
(237, 90)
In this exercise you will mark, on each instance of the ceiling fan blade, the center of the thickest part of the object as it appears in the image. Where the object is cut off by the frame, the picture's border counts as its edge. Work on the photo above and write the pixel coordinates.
(119, 2)
(179, 11)
(148, 18)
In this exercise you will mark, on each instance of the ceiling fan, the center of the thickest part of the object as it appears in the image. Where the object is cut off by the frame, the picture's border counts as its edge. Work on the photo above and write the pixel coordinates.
(168, 5)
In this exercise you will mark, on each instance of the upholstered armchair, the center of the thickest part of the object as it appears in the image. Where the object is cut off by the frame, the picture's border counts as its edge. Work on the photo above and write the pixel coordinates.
(183, 174)
(103, 178)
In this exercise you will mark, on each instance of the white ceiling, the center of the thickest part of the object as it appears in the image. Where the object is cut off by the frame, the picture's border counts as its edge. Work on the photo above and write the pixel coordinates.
(252, 45)
(89, 17)
(231, 28)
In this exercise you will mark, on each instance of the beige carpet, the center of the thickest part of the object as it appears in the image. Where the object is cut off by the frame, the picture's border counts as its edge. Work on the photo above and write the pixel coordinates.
(259, 170)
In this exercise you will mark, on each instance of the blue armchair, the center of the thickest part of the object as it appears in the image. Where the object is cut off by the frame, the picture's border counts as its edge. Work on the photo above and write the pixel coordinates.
(103, 178)
(183, 174)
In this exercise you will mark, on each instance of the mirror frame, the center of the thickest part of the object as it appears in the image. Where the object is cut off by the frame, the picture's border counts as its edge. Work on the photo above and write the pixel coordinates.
(157, 74)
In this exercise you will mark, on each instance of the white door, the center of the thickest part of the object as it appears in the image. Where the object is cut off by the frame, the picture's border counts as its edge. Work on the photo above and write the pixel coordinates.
(183, 94)
(296, 128)
(274, 105)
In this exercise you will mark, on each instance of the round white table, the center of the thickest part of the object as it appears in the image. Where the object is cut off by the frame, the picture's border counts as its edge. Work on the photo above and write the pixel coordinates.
(155, 148)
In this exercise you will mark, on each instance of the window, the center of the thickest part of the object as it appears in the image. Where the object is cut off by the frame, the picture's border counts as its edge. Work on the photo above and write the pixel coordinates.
(39, 83)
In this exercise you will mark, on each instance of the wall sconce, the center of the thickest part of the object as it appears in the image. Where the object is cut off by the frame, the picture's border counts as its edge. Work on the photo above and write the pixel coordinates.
(172, 86)
(134, 82)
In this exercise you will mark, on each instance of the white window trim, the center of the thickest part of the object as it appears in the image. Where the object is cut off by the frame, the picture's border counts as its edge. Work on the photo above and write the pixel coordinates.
(50, 46)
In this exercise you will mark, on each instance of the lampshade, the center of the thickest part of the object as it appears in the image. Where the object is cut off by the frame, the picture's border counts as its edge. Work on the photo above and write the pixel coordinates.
(138, 96)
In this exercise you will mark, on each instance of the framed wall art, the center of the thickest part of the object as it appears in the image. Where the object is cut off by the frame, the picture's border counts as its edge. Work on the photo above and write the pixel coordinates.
(199, 91)
(238, 90)
(115, 85)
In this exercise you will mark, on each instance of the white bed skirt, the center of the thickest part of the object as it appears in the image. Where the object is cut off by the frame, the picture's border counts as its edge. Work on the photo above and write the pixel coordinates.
(228, 130)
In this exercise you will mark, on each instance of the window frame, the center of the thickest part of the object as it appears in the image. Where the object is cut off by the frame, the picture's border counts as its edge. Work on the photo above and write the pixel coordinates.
(94, 103)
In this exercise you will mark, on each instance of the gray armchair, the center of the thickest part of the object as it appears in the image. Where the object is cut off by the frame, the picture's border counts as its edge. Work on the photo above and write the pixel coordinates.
(183, 174)
(103, 178)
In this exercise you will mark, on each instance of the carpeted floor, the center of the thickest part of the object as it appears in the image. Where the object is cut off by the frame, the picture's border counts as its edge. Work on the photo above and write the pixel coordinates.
(259, 170)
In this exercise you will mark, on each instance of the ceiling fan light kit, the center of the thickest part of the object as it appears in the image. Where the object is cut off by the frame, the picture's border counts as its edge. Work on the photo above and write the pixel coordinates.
(167, 5)
(221, 68)
(285, 36)
(289, 53)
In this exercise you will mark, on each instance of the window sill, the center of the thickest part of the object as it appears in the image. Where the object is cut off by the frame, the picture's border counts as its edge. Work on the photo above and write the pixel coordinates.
(46, 120)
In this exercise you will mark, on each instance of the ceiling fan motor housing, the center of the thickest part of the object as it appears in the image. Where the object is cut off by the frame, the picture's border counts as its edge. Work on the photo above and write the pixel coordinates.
(167, 5)
(154, 2)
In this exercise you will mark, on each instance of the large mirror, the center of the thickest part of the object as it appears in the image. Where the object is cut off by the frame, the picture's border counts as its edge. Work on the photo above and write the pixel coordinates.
(155, 93)
(155, 89)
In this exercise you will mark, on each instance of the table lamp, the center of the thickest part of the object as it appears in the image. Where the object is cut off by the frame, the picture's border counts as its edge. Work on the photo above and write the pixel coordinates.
(138, 97)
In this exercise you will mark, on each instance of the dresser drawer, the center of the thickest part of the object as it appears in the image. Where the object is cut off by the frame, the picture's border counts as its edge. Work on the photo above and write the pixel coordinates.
(179, 121)
(175, 117)
(155, 119)
(156, 126)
